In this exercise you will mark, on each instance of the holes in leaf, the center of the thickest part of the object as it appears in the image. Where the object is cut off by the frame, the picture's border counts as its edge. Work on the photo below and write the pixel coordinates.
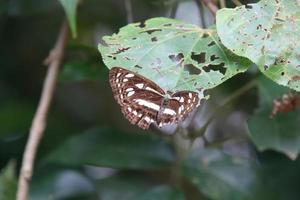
(266, 67)
(279, 60)
(205, 35)
(282, 73)
(151, 31)
(121, 50)
(154, 39)
(279, 20)
(199, 58)
(211, 43)
(142, 24)
(192, 69)
(248, 6)
(214, 57)
(113, 57)
(259, 27)
(167, 24)
(220, 68)
(139, 67)
(176, 57)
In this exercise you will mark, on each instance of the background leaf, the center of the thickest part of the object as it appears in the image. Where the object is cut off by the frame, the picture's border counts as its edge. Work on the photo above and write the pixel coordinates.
(268, 33)
(80, 71)
(220, 176)
(280, 133)
(53, 182)
(175, 55)
(162, 193)
(8, 182)
(135, 187)
(70, 7)
(112, 148)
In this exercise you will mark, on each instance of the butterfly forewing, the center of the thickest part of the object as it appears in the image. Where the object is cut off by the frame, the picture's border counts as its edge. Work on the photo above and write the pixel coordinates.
(139, 97)
(144, 102)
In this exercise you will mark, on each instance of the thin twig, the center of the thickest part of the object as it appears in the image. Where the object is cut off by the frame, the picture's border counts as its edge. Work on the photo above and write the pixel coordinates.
(211, 6)
(237, 2)
(225, 103)
(222, 3)
(174, 8)
(201, 13)
(128, 8)
(39, 121)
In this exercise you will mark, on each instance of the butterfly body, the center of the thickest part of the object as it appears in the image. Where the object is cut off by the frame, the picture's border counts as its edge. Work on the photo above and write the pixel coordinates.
(143, 102)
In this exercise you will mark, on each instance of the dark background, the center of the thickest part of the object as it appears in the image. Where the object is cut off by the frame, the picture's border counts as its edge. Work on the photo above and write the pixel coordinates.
(117, 160)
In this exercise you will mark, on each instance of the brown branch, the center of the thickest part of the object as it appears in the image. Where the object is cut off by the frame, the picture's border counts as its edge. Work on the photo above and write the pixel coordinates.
(237, 2)
(222, 3)
(39, 121)
(211, 6)
(129, 13)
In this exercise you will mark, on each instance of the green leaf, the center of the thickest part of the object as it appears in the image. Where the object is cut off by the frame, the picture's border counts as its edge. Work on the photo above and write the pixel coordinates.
(15, 117)
(8, 182)
(82, 64)
(51, 182)
(80, 71)
(220, 176)
(175, 55)
(277, 173)
(268, 33)
(162, 193)
(280, 133)
(27, 8)
(70, 7)
(112, 148)
(135, 187)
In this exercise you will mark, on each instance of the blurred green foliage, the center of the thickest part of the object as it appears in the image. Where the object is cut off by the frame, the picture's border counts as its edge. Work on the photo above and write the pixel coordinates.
(90, 151)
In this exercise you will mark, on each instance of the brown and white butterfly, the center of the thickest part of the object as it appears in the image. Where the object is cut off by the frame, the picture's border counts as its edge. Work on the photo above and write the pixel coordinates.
(143, 102)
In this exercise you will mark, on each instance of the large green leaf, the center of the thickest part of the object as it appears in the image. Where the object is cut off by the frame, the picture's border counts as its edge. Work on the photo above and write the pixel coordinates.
(135, 187)
(268, 33)
(8, 182)
(280, 133)
(82, 64)
(80, 71)
(162, 193)
(277, 173)
(112, 148)
(175, 55)
(15, 118)
(70, 7)
(51, 182)
(220, 176)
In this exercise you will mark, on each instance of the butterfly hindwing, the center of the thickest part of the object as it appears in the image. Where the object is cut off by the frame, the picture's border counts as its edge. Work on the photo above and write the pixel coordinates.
(143, 102)
(178, 107)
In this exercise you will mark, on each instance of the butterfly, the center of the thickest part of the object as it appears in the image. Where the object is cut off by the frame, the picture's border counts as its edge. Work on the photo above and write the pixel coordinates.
(143, 102)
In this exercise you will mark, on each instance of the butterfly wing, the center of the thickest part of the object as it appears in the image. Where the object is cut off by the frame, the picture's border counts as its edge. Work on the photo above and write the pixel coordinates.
(140, 98)
(178, 107)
